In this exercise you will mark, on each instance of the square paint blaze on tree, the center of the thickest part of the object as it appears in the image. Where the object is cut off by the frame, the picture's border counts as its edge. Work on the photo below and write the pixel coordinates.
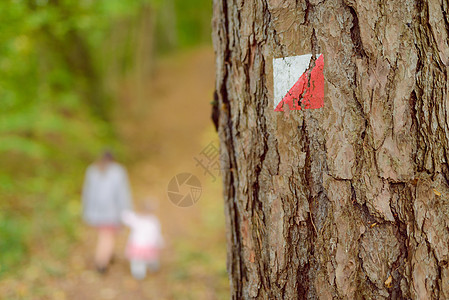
(297, 84)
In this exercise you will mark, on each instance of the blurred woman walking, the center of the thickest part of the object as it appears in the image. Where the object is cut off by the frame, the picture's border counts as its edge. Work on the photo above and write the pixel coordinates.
(106, 195)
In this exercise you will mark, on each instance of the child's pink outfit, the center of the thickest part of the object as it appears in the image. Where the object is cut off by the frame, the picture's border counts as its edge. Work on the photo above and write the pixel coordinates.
(144, 243)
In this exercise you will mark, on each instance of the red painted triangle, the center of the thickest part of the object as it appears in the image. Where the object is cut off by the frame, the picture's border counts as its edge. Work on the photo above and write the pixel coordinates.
(308, 91)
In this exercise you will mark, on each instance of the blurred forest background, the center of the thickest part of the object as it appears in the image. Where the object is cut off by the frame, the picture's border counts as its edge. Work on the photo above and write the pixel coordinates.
(76, 76)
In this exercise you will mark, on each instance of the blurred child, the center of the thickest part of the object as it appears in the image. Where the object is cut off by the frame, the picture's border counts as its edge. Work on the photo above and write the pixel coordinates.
(145, 240)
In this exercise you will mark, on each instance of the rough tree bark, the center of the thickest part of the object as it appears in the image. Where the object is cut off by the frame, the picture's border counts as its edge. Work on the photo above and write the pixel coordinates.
(350, 201)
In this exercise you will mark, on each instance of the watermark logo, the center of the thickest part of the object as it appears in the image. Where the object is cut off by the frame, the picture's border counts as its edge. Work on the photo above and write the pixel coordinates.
(184, 189)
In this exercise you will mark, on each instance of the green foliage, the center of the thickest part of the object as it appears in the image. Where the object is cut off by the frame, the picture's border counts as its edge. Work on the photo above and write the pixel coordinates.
(52, 115)
(57, 59)
(193, 21)
(12, 241)
(182, 24)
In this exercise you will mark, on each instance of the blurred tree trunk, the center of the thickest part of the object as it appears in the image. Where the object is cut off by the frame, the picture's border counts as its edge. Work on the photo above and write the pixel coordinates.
(145, 44)
(168, 17)
(80, 61)
(349, 201)
(144, 55)
(74, 51)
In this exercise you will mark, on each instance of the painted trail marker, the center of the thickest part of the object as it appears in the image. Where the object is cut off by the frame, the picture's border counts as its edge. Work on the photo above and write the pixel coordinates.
(296, 85)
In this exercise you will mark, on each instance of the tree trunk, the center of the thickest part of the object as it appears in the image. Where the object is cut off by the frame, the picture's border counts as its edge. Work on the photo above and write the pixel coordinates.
(349, 201)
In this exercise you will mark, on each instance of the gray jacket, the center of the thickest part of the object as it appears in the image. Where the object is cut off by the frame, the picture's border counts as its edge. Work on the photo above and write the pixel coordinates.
(106, 195)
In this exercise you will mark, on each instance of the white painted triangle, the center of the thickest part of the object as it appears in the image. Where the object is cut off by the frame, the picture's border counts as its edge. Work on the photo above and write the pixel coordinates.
(286, 71)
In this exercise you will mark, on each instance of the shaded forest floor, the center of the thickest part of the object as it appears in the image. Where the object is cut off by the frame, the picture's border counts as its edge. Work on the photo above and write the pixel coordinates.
(164, 131)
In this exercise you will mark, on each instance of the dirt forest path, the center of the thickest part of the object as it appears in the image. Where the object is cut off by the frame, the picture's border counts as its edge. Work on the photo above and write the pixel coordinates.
(165, 131)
